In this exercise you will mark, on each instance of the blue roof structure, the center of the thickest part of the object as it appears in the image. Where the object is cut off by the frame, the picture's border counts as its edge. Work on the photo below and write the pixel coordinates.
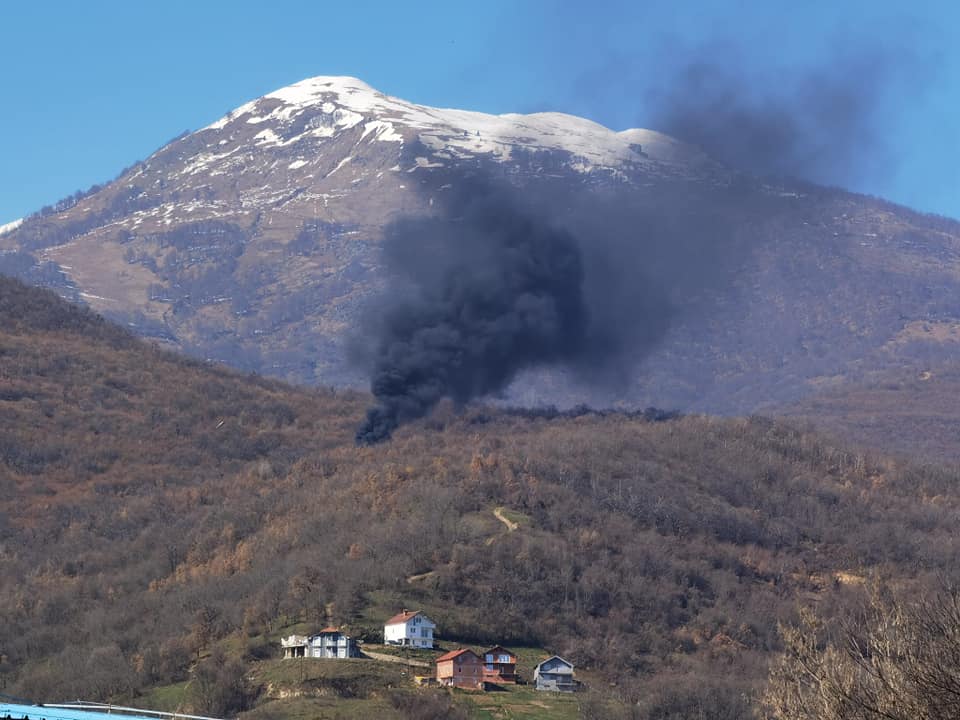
(82, 711)
(42, 712)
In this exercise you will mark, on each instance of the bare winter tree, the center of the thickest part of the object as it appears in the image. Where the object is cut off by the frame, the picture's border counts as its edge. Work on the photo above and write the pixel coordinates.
(896, 660)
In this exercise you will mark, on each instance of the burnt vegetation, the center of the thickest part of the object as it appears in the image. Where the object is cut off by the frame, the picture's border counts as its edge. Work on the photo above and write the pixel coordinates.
(153, 508)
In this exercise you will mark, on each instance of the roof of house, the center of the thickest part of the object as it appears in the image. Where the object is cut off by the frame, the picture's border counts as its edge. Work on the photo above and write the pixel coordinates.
(404, 617)
(556, 657)
(498, 649)
(329, 629)
(455, 654)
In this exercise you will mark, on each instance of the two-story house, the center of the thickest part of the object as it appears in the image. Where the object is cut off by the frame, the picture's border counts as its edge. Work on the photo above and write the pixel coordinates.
(328, 643)
(554, 674)
(410, 628)
(460, 668)
(499, 665)
(332, 643)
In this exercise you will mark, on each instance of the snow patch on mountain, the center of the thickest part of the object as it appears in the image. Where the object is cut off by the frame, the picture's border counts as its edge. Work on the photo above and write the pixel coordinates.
(340, 164)
(10, 226)
(232, 115)
(382, 131)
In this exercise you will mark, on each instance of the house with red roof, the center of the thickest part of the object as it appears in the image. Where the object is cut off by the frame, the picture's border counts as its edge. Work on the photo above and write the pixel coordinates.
(460, 668)
(499, 665)
(410, 628)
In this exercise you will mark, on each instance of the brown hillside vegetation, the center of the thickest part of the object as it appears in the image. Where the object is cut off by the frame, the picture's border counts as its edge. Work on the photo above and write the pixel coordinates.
(911, 411)
(152, 508)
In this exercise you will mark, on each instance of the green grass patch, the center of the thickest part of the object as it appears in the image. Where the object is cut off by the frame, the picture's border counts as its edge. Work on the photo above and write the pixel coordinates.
(344, 678)
(522, 702)
(323, 708)
(167, 698)
(409, 653)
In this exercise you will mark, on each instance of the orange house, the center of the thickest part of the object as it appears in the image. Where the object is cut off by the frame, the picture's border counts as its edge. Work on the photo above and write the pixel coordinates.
(499, 665)
(460, 668)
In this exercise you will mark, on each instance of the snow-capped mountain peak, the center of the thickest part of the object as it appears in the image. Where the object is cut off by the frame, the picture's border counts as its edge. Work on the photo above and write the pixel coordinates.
(323, 106)
(276, 210)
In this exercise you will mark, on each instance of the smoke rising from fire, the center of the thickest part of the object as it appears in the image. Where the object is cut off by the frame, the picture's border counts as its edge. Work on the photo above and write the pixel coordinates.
(479, 292)
(501, 278)
(822, 122)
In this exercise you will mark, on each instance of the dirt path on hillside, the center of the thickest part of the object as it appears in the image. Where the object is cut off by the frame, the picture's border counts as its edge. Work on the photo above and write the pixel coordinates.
(421, 576)
(511, 525)
(394, 659)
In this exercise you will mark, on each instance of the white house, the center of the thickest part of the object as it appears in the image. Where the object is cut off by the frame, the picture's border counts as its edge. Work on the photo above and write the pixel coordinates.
(411, 628)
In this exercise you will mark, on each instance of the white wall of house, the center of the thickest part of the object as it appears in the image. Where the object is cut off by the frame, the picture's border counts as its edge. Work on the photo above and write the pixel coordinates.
(415, 632)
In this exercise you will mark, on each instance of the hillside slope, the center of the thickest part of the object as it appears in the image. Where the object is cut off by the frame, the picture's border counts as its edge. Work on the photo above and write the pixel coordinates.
(153, 507)
(256, 241)
(910, 410)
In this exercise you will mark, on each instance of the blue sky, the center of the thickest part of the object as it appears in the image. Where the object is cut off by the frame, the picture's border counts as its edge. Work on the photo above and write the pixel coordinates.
(89, 88)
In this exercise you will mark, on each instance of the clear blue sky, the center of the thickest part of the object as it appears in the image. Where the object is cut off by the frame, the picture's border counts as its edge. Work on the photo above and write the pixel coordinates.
(88, 88)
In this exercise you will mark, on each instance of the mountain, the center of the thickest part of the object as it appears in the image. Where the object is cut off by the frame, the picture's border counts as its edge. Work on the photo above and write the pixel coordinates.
(257, 241)
(156, 510)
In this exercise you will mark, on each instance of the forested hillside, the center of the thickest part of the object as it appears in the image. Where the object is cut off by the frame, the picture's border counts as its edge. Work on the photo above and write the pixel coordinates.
(910, 410)
(155, 509)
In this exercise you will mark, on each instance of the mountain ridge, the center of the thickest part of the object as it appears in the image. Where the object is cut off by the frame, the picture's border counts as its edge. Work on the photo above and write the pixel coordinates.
(564, 131)
(257, 241)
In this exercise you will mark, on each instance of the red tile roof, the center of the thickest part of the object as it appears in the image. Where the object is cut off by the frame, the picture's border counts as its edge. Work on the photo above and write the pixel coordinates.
(330, 629)
(454, 654)
(402, 617)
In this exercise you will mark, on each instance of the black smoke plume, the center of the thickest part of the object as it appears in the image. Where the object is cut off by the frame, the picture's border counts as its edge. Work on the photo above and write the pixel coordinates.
(480, 292)
(822, 122)
(501, 279)
(591, 276)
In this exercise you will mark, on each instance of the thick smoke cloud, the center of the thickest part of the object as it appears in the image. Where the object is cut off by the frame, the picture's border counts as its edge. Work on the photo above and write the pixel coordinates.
(821, 122)
(500, 279)
(480, 292)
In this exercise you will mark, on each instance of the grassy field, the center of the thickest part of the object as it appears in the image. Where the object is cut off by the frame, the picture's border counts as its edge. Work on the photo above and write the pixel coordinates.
(168, 698)
(520, 702)
(344, 678)
(323, 708)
